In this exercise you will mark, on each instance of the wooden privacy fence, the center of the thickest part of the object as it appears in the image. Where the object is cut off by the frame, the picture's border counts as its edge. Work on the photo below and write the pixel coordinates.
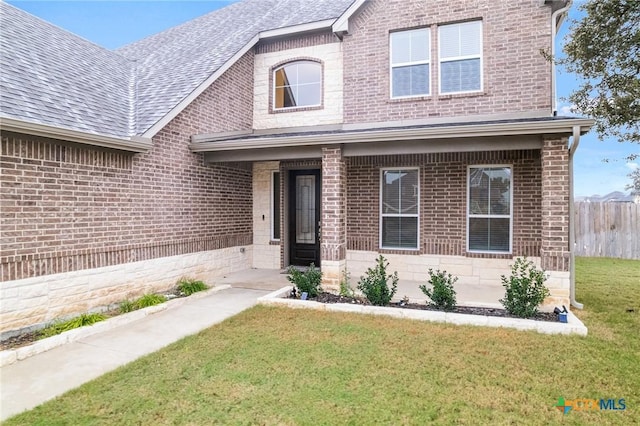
(608, 230)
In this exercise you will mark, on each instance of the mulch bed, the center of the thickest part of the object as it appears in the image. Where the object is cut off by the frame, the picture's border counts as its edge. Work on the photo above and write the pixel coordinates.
(470, 310)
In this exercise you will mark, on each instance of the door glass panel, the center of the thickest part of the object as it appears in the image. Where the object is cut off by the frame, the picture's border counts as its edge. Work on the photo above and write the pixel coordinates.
(306, 209)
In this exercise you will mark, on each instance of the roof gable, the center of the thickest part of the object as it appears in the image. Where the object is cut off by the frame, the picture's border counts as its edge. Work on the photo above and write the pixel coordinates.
(174, 63)
(55, 78)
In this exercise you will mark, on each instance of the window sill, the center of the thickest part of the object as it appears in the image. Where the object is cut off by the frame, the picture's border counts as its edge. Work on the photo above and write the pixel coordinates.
(445, 96)
(399, 251)
(295, 109)
(489, 254)
(410, 99)
(274, 242)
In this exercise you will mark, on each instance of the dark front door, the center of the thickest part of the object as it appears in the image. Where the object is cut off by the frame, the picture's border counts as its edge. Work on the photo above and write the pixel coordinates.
(304, 217)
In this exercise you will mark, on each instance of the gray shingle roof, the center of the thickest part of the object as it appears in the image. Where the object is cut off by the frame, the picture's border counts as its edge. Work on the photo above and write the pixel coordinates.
(50, 76)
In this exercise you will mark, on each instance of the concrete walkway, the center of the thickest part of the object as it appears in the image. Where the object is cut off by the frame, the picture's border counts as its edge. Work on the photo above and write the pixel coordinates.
(28, 383)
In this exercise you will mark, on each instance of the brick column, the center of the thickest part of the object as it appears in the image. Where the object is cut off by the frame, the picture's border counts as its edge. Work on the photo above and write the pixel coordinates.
(554, 252)
(333, 242)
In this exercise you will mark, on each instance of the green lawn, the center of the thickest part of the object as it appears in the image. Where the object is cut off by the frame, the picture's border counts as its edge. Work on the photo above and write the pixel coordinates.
(280, 366)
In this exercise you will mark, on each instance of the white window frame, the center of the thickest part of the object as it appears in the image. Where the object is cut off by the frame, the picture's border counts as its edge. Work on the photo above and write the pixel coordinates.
(273, 85)
(417, 215)
(460, 58)
(490, 216)
(407, 64)
(272, 207)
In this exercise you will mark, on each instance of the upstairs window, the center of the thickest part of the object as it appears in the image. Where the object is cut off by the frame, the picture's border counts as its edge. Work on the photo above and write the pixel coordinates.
(410, 57)
(460, 57)
(490, 200)
(298, 84)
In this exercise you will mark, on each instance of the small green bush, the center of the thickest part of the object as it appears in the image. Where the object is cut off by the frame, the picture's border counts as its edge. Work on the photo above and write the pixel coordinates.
(442, 294)
(128, 306)
(308, 281)
(150, 300)
(189, 286)
(525, 289)
(375, 283)
(76, 322)
(345, 286)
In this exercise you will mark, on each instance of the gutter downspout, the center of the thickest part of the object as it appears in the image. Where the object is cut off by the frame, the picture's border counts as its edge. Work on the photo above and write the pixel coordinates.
(572, 223)
(554, 30)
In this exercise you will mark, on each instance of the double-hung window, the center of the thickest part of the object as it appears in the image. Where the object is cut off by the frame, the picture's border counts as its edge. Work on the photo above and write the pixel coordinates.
(489, 209)
(460, 57)
(399, 207)
(410, 63)
(298, 84)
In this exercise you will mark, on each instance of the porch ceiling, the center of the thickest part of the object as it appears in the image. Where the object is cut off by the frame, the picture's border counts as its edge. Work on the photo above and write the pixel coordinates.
(358, 140)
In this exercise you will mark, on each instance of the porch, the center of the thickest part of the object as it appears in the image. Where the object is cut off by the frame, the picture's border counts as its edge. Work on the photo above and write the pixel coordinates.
(467, 198)
(484, 295)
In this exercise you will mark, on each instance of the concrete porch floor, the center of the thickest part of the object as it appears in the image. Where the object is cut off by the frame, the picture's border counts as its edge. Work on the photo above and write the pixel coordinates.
(274, 279)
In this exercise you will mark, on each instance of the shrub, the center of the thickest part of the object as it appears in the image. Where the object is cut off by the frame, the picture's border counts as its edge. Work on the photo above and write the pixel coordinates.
(127, 306)
(150, 300)
(442, 294)
(345, 287)
(308, 281)
(525, 289)
(374, 284)
(76, 322)
(189, 286)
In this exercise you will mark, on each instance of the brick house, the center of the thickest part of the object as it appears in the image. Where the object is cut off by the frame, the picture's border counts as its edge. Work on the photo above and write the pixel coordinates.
(270, 133)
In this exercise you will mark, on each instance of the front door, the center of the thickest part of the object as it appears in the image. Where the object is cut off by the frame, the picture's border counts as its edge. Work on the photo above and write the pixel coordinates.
(304, 217)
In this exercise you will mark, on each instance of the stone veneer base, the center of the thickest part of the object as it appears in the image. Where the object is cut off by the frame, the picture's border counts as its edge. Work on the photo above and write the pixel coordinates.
(18, 354)
(573, 326)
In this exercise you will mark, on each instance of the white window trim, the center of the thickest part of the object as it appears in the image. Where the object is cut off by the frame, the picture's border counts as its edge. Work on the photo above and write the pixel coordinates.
(271, 207)
(509, 216)
(381, 215)
(273, 86)
(461, 58)
(406, 64)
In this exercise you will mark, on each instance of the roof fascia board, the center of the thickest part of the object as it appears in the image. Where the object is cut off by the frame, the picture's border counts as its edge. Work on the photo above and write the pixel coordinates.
(442, 132)
(384, 125)
(342, 23)
(381, 148)
(296, 29)
(134, 144)
(160, 124)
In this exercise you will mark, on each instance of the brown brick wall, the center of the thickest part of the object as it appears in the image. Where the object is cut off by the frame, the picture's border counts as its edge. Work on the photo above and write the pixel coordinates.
(516, 76)
(68, 207)
(333, 243)
(443, 195)
(555, 204)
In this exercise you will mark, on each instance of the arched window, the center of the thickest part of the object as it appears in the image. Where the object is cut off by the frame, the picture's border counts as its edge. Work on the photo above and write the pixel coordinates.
(297, 84)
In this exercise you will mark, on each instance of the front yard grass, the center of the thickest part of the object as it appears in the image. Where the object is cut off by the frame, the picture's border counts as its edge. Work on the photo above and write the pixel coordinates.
(280, 366)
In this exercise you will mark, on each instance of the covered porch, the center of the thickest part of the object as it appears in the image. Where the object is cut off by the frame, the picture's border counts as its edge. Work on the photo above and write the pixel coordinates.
(337, 172)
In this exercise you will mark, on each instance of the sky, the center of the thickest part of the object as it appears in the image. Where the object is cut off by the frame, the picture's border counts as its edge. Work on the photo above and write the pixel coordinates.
(112, 24)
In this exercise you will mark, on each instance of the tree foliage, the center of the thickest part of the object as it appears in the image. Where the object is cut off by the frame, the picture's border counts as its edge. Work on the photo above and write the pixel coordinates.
(634, 186)
(603, 50)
